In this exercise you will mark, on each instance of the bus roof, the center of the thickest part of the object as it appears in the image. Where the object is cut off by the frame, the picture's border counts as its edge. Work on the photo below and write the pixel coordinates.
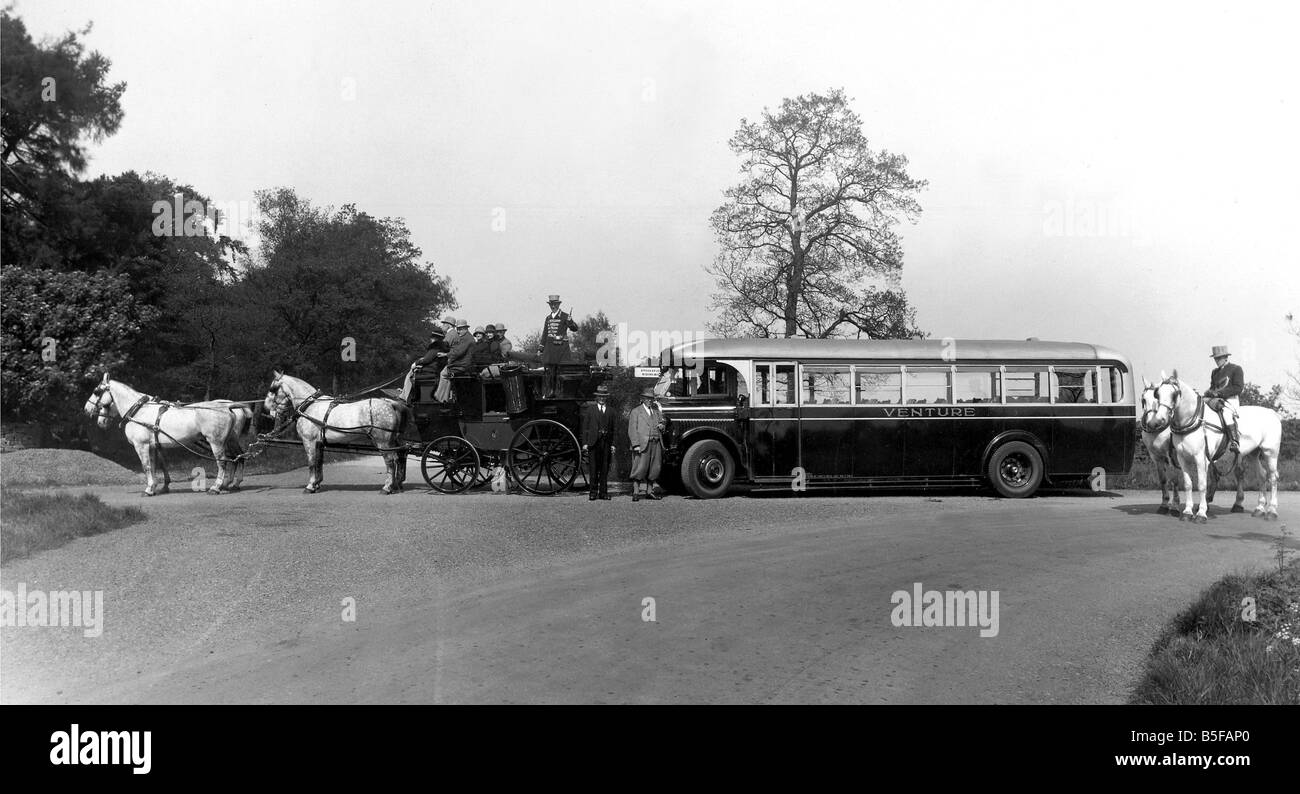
(952, 350)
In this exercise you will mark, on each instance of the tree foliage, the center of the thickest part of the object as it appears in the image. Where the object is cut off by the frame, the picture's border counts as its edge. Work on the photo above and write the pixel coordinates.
(326, 276)
(808, 238)
(60, 332)
(53, 98)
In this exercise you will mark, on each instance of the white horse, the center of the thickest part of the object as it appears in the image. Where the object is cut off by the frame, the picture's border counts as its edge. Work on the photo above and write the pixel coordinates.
(152, 425)
(322, 419)
(244, 415)
(1198, 437)
(1157, 439)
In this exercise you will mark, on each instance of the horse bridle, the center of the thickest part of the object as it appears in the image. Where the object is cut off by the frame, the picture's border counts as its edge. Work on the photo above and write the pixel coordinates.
(103, 410)
(1178, 393)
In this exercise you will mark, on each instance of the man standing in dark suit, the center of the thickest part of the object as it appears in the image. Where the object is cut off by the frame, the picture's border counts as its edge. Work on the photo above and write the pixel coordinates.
(555, 344)
(1226, 382)
(598, 443)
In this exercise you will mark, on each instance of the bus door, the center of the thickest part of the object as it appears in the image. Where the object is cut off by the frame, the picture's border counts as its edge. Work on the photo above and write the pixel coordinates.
(826, 421)
(774, 420)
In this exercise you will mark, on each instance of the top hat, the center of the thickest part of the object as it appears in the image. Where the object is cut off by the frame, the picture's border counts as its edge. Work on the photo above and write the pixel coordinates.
(1219, 350)
(553, 299)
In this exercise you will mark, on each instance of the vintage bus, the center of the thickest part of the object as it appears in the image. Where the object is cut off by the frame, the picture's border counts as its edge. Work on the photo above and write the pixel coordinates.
(817, 413)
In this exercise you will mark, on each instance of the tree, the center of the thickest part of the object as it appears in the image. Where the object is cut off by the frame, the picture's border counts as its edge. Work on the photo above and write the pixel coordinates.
(811, 225)
(1252, 394)
(53, 97)
(338, 297)
(60, 332)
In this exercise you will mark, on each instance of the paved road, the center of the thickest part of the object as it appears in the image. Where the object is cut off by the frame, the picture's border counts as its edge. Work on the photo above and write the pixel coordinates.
(488, 598)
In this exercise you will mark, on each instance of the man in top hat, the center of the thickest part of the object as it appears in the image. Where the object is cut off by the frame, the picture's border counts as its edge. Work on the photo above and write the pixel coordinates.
(645, 427)
(1226, 382)
(555, 344)
(435, 354)
(598, 443)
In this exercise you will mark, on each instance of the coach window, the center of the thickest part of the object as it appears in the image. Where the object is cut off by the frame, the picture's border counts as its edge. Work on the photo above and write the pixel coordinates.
(1074, 384)
(1113, 377)
(776, 384)
(926, 386)
(879, 386)
(825, 385)
(977, 385)
(1025, 384)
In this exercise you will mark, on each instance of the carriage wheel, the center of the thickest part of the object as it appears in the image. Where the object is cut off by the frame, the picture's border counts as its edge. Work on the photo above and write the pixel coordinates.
(544, 457)
(450, 464)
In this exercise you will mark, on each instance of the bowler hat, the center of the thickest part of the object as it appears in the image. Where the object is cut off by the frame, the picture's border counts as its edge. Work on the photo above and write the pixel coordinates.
(1219, 350)
(449, 320)
(648, 391)
(462, 324)
(478, 329)
(501, 326)
(489, 328)
(602, 390)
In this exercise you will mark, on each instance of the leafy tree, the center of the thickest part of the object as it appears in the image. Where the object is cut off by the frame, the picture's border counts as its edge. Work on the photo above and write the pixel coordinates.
(53, 98)
(1252, 394)
(810, 226)
(330, 283)
(60, 332)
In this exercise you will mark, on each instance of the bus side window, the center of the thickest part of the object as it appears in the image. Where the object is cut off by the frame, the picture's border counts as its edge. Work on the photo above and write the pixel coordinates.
(1075, 385)
(783, 385)
(1026, 384)
(1114, 383)
(763, 382)
(879, 386)
(976, 385)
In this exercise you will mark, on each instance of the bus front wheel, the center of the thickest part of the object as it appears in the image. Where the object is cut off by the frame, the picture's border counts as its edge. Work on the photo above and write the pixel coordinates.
(1015, 470)
(708, 469)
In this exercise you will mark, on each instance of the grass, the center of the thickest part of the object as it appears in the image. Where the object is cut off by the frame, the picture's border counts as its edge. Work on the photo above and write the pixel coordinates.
(1143, 476)
(32, 522)
(1211, 653)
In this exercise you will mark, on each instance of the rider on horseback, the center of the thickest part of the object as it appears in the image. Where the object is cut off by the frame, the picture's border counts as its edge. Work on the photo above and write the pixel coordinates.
(1226, 382)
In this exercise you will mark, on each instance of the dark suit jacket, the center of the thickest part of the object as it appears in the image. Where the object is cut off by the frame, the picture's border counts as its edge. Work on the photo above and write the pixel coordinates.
(458, 360)
(1226, 381)
(594, 423)
(555, 337)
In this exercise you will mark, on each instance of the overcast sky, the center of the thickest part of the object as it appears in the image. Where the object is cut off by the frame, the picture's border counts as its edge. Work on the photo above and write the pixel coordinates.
(1126, 174)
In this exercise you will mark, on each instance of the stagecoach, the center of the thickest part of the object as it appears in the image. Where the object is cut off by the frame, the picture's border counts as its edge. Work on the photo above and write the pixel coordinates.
(502, 424)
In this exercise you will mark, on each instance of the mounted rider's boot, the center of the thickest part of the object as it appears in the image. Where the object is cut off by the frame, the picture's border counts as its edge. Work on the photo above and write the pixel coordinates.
(1234, 438)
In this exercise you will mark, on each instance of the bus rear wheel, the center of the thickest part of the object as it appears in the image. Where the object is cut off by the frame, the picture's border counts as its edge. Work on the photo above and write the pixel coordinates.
(1015, 470)
(708, 469)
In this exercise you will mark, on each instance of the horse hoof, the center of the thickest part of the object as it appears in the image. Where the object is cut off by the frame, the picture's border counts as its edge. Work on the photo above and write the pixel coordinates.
(1182, 516)
(148, 493)
(1162, 510)
(1271, 517)
(1237, 509)
(1257, 513)
(1202, 520)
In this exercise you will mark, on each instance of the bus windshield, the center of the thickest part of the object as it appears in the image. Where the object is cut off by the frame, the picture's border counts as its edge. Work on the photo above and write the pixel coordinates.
(714, 379)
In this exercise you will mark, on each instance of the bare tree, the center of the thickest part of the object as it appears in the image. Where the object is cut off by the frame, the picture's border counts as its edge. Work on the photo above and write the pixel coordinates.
(808, 241)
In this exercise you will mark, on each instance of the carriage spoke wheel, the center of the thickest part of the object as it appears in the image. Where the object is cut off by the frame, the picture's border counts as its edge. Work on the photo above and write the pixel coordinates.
(450, 464)
(544, 457)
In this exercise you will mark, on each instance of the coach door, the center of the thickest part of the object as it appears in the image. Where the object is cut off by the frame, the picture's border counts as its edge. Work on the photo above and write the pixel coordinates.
(774, 420)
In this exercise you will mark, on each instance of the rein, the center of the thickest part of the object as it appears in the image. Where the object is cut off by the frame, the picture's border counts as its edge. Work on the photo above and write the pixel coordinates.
(299, 411)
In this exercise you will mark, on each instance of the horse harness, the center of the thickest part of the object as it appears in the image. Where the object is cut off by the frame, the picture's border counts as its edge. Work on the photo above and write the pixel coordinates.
(1197, 422)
